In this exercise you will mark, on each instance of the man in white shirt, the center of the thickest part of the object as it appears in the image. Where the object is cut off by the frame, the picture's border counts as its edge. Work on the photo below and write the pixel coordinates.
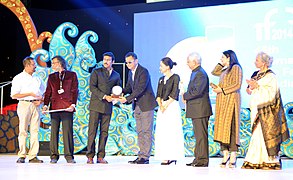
(28, 88)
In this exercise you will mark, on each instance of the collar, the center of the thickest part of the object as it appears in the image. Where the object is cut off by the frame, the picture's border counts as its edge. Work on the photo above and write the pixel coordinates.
(133, 71)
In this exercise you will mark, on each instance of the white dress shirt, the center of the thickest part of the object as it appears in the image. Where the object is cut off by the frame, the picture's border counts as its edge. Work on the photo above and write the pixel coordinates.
(26, 83)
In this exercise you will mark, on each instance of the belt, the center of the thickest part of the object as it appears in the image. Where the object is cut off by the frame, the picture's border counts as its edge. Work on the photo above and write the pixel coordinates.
(29, 100)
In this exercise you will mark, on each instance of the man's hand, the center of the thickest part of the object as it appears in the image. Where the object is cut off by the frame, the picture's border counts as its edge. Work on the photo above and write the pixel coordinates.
(122, 100)
(109, 98)
(37, 103)
(45, 108)
(70, 108)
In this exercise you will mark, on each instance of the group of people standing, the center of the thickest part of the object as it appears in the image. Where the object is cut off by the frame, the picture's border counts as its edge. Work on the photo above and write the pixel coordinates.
(269, 127)
(268, 122)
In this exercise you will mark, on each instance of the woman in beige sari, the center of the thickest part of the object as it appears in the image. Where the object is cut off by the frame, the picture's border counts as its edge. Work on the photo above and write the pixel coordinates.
(269, 127)
(228, 102)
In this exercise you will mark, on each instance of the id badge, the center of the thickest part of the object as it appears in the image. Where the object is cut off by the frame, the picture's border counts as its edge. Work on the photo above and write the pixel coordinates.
(60, 91)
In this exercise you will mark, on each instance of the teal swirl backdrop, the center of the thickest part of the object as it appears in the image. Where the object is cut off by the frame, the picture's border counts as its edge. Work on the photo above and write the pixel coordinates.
(122, 135)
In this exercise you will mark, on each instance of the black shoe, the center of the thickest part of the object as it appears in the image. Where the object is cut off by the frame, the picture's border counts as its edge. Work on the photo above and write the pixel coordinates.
(133, 162)
(223, 164)
(72, 161)
(53, 161)
(232, 164)
(142, 161)
(190, 164)
(199, 165)
(20, 160)
(35, 160)
(139, 161)
(169, 162)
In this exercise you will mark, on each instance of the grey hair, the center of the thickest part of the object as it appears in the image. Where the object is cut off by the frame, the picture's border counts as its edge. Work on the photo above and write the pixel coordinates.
(194, 56)
(268, 60)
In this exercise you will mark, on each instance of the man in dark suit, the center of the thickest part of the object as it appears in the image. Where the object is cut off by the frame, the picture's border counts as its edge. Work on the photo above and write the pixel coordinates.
(61, 94)
(198, 108)
(102, 81)
(142, 97)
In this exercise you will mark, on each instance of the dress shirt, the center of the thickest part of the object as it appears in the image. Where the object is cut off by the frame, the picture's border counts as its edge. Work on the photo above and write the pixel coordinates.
(26, 83)
(133, 73)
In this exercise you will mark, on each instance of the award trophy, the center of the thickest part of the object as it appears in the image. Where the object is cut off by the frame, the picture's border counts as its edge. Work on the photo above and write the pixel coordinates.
(116, 92)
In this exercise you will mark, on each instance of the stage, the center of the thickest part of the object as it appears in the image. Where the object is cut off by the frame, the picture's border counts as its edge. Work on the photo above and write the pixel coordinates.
(118, 168)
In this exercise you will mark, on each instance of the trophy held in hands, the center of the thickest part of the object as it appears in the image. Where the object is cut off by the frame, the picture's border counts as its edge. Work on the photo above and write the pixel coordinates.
(116, 92)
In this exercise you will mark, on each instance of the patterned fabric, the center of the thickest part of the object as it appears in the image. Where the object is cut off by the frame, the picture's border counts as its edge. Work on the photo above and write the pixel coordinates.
(273, 122)
(269, 126)
(228, 103)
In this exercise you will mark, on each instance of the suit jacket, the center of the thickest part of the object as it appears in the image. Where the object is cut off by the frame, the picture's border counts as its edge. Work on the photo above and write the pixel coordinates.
(197, 98)
(140, 90)
(69, 85)
(100, 85)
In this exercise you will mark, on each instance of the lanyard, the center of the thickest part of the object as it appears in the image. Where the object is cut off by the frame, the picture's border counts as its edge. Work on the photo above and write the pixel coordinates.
(61, 79)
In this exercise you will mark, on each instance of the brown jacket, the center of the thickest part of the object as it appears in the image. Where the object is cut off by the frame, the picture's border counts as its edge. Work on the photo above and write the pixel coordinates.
(63, 100)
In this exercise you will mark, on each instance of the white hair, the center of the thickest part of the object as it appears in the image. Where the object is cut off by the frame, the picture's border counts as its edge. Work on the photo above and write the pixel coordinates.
(267, 59)
(194, 56)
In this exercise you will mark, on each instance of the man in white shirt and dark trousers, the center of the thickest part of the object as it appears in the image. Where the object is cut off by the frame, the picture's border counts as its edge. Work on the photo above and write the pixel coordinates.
(28, 88)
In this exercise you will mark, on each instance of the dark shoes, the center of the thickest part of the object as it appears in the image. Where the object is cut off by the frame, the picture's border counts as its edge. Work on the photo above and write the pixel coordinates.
(53, 161)
(102, 161)
(139, 161)
(200, 165)
(197, 164)
(21, 160)
(190, 164)
(71, 161)
(224, 162)
(169, 162)
(35, 160)
(90, 160)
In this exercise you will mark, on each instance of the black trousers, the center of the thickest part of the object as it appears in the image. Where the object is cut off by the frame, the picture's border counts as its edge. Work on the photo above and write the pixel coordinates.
(67, 130)
(97, 119)
(201, 151)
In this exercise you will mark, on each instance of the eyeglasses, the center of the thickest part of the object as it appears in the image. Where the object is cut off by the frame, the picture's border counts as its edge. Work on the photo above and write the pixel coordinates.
(129, 62)
(55, 62)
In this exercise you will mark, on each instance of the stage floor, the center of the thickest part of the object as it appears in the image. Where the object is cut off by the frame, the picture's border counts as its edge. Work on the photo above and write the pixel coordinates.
(118, 168)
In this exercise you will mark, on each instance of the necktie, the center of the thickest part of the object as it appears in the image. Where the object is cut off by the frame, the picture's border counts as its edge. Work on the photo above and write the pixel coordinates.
(107, 73)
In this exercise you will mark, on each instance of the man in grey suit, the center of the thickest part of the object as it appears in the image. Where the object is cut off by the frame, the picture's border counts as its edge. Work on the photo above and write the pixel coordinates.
(142, 97)
(102, 81)
(198, 108)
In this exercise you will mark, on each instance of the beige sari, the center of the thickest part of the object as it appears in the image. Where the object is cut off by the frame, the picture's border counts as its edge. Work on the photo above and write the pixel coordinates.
(269, 127)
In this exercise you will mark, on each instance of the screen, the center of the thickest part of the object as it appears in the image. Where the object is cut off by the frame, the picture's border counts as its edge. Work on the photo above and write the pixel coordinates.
(246, 28)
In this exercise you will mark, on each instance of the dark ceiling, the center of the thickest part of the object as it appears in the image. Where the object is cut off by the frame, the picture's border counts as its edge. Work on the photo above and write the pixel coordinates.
(75, 4)
(60, 5)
